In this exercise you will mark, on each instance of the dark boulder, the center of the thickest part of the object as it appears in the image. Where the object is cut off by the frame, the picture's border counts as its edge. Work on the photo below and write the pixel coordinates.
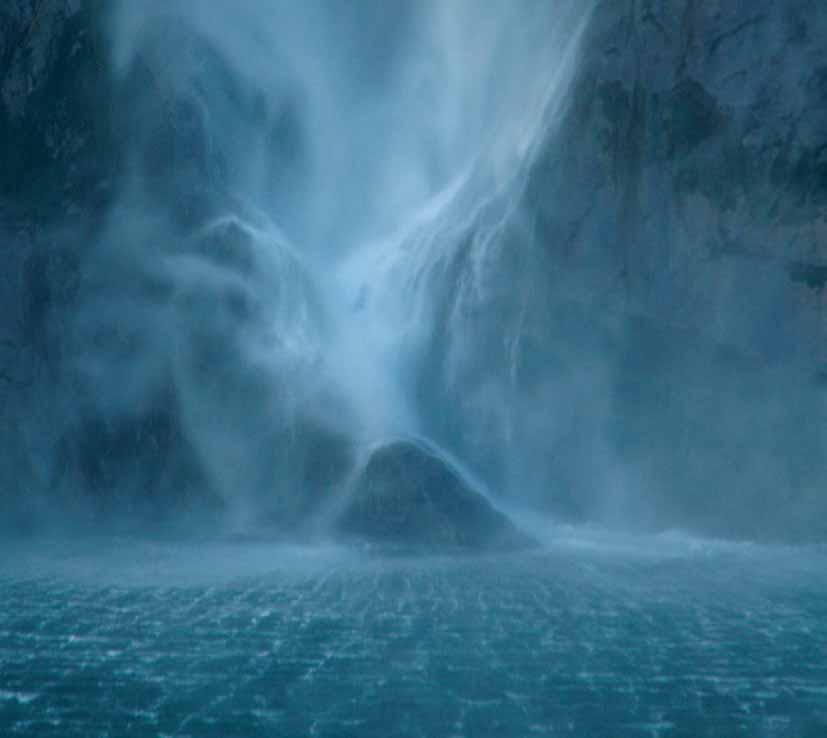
(408, 494)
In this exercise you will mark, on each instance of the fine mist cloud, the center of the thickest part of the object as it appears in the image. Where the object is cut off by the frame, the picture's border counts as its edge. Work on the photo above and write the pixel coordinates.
(260, 295)
(325, 225)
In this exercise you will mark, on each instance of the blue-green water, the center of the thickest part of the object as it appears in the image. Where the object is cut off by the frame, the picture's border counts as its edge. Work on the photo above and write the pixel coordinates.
(590, 636)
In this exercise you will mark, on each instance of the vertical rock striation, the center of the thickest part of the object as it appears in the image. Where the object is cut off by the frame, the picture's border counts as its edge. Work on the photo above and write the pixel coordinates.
(655, 310)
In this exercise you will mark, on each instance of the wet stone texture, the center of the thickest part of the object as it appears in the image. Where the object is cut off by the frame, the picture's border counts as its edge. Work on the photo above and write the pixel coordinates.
(409, 495)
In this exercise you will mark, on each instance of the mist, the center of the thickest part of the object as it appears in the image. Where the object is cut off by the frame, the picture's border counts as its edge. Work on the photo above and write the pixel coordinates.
(323, 228)
(440, 367)
(292, 181)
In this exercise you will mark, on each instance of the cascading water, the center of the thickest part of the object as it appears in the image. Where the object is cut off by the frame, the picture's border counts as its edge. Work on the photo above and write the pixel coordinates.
(315, 198)
(311, 324)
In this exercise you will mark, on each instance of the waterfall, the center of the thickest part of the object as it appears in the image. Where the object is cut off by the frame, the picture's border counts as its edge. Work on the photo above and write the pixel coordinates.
(313, 206)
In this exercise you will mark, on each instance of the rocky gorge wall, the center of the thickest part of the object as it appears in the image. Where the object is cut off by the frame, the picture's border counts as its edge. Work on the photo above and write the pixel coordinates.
(650, 347)
(700, 128)
(660, 352)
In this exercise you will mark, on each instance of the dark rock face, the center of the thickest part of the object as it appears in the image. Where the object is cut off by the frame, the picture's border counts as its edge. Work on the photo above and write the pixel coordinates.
(56, 140)
(693, 172)
(656, 355)
(409, 495)
(125, 350)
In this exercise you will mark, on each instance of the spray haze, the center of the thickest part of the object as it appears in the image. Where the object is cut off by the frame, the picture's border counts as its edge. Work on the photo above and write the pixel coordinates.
(325, 226)
(298, 184)
(392, 367)
(296, 176)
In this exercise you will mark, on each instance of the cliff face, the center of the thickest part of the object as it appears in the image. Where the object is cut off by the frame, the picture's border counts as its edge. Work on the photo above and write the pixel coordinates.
(697, 143)
(72, 138)
(141, 299)
(55, 104)
(644, 341)
(47, 132)
(692, 190)
(660, 352)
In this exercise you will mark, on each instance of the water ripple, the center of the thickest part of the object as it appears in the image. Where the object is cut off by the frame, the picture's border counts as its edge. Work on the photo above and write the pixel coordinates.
(566, 642)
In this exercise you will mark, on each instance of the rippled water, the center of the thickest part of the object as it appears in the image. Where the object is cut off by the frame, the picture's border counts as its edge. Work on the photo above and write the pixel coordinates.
(588, 637)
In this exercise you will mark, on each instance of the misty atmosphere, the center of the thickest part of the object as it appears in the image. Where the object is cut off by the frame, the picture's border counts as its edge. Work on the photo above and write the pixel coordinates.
(413, 368)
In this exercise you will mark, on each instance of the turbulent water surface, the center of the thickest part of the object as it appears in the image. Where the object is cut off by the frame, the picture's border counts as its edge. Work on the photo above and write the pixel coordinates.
(586, 637)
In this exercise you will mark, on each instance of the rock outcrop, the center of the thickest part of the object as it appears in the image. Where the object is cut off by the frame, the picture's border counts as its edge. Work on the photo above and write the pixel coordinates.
(409, 495)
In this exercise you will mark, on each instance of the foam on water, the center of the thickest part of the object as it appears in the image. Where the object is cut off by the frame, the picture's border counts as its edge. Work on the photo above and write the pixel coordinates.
(588, 637)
